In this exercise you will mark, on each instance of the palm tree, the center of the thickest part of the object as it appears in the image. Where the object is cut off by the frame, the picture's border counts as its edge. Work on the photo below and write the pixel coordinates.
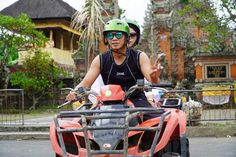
(89, 21)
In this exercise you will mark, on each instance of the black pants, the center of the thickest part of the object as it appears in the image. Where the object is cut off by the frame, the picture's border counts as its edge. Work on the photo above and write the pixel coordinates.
(140, 100)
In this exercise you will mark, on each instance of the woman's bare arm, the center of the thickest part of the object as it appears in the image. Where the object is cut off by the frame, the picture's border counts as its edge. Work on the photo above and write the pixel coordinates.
(89, 78)
(91, 75)
(150, 72)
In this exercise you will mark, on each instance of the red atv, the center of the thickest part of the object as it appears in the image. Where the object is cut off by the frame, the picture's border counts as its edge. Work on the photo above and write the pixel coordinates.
(115, 128)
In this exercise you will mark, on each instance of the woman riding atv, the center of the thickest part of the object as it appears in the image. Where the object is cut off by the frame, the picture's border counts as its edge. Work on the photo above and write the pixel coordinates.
(120, 65)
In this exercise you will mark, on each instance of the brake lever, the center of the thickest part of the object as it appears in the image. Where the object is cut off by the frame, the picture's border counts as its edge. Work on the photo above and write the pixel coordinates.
(79, 93)
(66, 103)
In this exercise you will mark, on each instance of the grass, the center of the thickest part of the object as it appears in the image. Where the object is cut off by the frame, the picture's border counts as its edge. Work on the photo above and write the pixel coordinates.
(29, 115)
(42, 111)
(38, 115)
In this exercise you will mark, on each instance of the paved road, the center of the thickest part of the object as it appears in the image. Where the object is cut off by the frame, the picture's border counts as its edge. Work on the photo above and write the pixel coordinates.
(199, 147)
(26, 148)
(213, 147)
(39, 121)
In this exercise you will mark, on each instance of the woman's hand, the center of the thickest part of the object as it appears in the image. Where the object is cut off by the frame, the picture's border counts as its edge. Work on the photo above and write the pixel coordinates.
(156, 68)
(156, 72)
(150, 72)
(71, 96)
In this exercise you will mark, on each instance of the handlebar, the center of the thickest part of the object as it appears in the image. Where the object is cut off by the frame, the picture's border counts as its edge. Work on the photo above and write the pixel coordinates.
(81, 92)
(66, 103)
(142, 87)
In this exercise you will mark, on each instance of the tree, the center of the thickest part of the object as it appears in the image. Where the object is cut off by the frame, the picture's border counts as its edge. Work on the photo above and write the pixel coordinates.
(199, 28)
(147, 27)
(15, 33)
(39, 75)
(90, 22)
(187, 18)
(228, 7)
(214, 29)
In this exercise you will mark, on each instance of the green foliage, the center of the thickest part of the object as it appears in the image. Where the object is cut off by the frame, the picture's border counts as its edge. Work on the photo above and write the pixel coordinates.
(39, 75)
(29, 83)
(15, 34)
(8, 56)
(19, 31)
(184, 1)
(40, 72)
(202, 15)
(228, 8)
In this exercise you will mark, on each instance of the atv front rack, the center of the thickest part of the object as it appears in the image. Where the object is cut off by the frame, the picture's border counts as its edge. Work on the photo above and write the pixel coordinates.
(94, 114)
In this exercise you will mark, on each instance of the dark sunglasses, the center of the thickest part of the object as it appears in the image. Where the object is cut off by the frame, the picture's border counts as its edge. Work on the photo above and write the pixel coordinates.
(118, 35)
(133, 34)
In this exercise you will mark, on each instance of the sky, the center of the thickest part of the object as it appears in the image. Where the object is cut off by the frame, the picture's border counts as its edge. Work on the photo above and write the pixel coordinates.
(135, 9)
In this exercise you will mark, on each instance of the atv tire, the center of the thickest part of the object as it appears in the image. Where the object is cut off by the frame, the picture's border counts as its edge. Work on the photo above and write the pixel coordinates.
(185, 147)
(175, 148)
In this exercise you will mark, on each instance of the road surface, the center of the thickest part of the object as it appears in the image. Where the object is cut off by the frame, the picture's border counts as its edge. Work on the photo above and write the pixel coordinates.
(199, 147)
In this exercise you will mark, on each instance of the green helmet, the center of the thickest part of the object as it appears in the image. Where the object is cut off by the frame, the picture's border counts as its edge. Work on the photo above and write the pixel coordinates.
(134, 23)
(117, 25)
(136, 27)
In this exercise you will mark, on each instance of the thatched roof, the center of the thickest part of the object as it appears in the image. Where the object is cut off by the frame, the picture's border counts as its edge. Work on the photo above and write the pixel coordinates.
(40, 9)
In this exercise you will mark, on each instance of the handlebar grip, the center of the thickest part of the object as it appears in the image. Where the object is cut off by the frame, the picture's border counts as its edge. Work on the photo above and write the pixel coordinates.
(81, 90)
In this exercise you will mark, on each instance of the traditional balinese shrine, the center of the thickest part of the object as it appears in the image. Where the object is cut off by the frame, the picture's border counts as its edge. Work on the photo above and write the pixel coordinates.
(208, 68)
(212, 71)
(162, 25)
(218, 73)
(211, 68)
(215, 67)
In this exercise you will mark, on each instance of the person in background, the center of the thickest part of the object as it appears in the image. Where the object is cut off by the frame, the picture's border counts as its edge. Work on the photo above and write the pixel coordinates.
(120, 65)
(135, 32)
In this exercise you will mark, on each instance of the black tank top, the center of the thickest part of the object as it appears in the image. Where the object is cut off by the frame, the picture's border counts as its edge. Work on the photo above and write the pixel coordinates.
(125, 74)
